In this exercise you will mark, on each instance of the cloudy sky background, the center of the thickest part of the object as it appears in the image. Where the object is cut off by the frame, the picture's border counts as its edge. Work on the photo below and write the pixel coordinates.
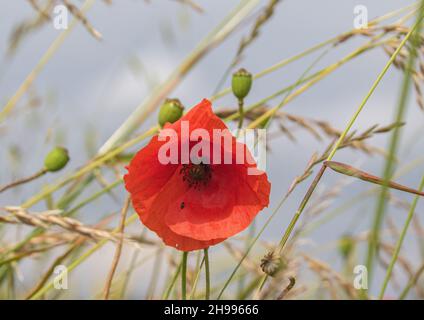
(90, 88)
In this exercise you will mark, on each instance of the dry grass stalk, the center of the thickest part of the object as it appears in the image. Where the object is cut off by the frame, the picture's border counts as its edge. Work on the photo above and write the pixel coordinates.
(192, 4)
(290, 286)
(77, 13)
(28, 26)
(326, 272)
(52, 217)
(117, 255)
(318, 128)
(401, 62)
(267, 13)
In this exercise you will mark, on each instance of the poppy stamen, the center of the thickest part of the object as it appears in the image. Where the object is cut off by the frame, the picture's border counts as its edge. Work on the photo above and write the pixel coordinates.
(196, 174)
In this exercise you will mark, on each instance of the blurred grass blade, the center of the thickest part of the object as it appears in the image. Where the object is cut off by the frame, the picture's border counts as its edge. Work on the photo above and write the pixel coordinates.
(41, 64)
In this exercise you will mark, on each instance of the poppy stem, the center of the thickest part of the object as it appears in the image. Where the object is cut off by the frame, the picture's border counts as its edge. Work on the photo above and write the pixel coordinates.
(207, 274)
(241, 113)
(172, 283)
(184, 276)
(23, 180)
(199, 268)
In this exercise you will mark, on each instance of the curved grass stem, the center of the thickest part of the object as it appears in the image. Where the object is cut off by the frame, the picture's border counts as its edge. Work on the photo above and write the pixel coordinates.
(171, 285)
(118, 250)
(23, 181)
(400, 242)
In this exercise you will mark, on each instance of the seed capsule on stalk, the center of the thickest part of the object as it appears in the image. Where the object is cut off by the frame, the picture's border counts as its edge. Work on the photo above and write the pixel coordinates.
(271, 263)
(170, 111)
(241, 83)
(56, 159)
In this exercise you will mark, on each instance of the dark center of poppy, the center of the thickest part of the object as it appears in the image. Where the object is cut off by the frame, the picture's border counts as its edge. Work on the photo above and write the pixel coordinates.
(196, 174)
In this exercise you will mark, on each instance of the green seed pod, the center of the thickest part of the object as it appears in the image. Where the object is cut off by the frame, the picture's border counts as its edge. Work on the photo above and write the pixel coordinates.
(56, 159)
(241, 83)
(346, 246)
(170, 111)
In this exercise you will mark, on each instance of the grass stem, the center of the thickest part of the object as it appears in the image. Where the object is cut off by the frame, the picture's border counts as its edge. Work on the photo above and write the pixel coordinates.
(207, 274)
(171, 285)
(117, 255)
(400, 241)
(184, 276)
(23, 180)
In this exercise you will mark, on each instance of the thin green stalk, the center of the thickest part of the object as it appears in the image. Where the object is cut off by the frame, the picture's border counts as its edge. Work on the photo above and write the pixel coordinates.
(168, 290)
(74, 191)
(93, 197)
(400, 241)
(23, 180)
(128, 273)
(241, 113)
(199, 267)
(411, 282)
(207, 274)
(388, 169)
(184, 276)
(156, 271)
(296, 217)
(294, 220)
(249, 237)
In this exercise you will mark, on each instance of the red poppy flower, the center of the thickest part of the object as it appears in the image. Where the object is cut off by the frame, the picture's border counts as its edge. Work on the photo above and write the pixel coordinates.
(193, 205)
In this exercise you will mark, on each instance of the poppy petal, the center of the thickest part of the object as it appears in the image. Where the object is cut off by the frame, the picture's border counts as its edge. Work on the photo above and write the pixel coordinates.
(239, 205)
(152, 213)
